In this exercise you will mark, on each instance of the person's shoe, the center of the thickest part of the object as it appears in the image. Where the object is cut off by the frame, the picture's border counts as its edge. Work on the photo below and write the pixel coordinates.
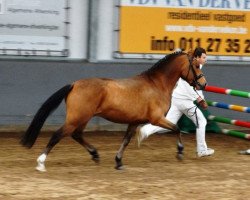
(245, 152)
(140, 136)
(207, 152)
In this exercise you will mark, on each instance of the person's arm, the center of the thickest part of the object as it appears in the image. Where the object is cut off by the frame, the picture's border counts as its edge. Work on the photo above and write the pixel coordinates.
(194, 95)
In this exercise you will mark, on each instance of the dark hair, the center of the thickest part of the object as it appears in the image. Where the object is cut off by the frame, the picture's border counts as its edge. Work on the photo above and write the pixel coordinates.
(199, 51)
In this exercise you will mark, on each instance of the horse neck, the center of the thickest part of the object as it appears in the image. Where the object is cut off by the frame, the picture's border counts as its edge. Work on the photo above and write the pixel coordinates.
(167, 77)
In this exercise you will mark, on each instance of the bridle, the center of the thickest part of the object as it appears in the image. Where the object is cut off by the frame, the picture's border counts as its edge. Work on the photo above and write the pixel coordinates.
(196, 78)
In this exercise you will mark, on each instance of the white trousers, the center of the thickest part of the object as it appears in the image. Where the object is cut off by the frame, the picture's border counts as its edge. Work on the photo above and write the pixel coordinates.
(177, 109)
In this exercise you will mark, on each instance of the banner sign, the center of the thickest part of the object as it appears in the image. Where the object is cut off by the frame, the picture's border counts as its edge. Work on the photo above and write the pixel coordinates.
(33, 27)
(160, 26)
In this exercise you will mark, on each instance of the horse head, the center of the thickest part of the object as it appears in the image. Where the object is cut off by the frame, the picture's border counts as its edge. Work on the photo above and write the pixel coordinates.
(193, 74)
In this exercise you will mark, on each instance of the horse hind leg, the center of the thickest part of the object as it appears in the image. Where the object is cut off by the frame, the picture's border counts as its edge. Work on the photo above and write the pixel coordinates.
(127, 137)
(78, 137)
(56, 137)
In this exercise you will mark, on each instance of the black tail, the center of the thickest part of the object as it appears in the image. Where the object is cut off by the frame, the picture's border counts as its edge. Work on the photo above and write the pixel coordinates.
(46, 109)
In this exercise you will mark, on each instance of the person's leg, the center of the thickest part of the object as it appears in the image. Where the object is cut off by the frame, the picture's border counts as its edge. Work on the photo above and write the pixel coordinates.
(150, 129)
(200, 121)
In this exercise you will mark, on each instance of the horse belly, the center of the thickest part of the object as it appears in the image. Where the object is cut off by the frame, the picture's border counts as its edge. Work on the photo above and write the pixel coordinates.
(124, 120)
(123, 115)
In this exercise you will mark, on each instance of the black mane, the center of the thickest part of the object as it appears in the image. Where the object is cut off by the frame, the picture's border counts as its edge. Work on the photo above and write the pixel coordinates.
(158, 65)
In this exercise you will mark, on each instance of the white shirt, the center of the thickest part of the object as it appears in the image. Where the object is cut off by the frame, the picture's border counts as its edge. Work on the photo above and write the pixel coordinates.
(184, 91)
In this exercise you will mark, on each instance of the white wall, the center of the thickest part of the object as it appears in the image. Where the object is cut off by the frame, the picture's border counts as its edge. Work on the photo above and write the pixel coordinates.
(78, 29)
(101, 38)
(105, 36)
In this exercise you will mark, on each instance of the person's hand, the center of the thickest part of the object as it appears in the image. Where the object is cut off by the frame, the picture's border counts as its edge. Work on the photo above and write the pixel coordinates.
(202, 103)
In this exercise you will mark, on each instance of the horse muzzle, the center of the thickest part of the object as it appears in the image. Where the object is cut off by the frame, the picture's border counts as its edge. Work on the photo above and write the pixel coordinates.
(200, 86)
(197, 84)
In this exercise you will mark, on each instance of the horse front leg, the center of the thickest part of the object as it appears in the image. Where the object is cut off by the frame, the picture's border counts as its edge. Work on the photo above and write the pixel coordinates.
(126, 139)
(164, 123)
(78, 136)
(180, 147)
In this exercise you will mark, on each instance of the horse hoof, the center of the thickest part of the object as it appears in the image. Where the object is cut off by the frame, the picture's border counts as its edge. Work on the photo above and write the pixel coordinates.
(41, 168)
(120, 167)
(180, 156)
(96, 159)
(95, 156)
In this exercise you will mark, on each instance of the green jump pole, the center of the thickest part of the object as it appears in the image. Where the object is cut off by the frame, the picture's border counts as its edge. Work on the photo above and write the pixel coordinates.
(236, 134)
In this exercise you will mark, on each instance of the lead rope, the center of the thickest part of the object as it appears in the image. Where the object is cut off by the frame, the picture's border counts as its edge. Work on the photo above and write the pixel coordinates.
(194, 113)
(195, 110)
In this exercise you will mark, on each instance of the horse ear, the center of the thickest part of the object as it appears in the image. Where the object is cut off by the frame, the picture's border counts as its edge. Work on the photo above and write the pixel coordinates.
(190, 53)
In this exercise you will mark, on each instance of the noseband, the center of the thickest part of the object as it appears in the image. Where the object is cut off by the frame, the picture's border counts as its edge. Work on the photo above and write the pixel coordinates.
(196, 78)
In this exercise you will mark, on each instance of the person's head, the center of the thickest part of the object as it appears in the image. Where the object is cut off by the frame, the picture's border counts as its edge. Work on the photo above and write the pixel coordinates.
(200, 56)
